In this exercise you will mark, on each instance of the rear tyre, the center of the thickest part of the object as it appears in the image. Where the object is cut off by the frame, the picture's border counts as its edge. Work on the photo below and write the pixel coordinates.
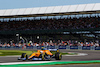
(24, 55)
(58, 56)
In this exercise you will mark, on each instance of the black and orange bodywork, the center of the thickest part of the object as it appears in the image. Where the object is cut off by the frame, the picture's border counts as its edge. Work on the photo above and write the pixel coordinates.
(39, 52)
(41, 55)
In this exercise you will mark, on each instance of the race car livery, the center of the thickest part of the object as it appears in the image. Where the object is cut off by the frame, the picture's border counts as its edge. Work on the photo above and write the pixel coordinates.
(42, 55)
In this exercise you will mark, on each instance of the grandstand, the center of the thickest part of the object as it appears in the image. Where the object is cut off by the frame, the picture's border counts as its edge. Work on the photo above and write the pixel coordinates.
(44, 24)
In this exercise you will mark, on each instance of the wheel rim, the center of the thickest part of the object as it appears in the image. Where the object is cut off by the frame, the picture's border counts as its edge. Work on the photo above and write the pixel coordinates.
(60, 56)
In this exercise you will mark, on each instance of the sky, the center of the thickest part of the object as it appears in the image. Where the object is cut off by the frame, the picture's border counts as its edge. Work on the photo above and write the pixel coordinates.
(14, 4)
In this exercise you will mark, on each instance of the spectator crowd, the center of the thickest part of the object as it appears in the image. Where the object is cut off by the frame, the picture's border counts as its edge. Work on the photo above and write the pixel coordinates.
(49, 24)
(62, 43)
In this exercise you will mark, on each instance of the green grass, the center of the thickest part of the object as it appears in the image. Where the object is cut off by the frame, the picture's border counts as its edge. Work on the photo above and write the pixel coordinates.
(13, 52)
(0, 53)
(19, 52)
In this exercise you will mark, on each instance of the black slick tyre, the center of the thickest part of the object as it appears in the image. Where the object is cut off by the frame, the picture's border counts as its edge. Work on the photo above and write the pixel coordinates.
(24, 55)
(44, 56)
(58, 56)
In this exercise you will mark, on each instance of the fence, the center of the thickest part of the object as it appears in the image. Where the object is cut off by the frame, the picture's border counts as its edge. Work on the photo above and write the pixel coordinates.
(54, 47)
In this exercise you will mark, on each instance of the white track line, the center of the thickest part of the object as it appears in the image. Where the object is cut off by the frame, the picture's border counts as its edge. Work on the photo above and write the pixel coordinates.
(36, 62)
(79, 54)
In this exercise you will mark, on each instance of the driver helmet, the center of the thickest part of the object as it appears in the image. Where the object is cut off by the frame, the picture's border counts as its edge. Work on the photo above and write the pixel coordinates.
(42, 48)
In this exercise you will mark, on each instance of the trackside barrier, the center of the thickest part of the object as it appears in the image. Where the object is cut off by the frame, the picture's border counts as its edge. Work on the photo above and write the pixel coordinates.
(66, 47)
(39, 47)
(7, 47)
(16, 47)
(97, 48)
(29, 47)
(79, 47)
(54, 47)
(73, 47)
(62, 47)
(86, 48)
(0, 46)
(50, 47)
(10, 47)
(92, 48)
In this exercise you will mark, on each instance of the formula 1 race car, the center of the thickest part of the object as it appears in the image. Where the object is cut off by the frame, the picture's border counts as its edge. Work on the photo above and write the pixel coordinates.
(42, 55)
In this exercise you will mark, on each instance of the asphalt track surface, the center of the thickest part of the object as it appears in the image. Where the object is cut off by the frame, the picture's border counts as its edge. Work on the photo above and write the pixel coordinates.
(92, 55)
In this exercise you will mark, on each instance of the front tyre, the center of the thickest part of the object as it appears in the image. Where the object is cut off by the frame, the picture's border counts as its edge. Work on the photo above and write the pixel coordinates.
(46, 57)
(58, 56)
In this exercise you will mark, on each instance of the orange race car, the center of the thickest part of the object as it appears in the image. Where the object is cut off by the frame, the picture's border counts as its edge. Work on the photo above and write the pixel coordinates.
(42, 54)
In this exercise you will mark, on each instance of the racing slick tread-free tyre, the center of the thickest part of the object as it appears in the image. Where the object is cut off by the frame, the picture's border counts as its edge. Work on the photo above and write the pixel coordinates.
(24, 55)
(44, 57)
(58, 56)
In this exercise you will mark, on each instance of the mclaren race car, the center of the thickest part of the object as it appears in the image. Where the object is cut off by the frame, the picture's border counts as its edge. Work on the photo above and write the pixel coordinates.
(42, 54)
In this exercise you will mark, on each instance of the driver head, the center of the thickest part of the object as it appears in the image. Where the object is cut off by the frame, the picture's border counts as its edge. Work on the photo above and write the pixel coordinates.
(42, 48)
